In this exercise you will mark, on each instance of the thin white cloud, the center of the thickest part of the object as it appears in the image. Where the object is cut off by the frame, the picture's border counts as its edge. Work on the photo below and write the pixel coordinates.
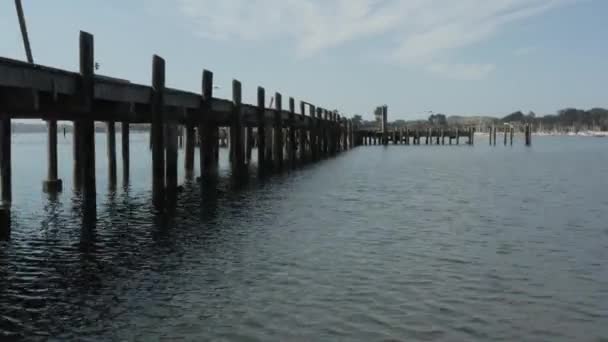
(424, 32)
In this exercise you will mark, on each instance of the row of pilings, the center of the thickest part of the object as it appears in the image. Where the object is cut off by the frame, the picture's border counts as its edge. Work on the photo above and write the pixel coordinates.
(284, 138)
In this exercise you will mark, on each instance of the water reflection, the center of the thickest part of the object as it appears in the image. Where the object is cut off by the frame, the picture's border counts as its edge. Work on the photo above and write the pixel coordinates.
(379, 244)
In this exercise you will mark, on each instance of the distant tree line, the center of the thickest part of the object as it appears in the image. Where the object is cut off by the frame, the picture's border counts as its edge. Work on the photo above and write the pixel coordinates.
(565, 120)
(569, 119)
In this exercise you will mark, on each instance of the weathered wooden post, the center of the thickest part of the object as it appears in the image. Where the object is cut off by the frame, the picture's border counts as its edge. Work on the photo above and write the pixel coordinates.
(438, 136)
(111, 145)
(494, 135)
(303, 134)
(125, 153)
(208, 130)
(505, 134)
(331, 139)
(5, 221)
(189, 152)
(260, 115)
(293, 146)
(158, 145)
(87, 60)
(248, 143)
(270, 139)
(336, 133)
(76, 142)
(457, 135)
(490, 135)
(171, 165)
(351, 136)
(313, 133)
(528, 135)
(236, 131)
(325, 131)
(278, 132)
(52, 184)
(512, 132)
(384, 123)
(473, 130)
(5, 159)
(180, 136)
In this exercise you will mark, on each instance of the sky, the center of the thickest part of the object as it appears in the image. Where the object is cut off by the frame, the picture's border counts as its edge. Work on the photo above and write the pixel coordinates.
(457, 57)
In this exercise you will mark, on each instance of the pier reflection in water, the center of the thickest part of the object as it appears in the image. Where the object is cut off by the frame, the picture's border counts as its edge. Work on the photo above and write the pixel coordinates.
(458, 243)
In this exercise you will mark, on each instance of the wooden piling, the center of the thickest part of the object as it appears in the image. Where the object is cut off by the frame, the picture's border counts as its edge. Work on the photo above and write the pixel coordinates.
(528, 133)
(248, 144)
(87, 144)
(512, 132)
(76, 142)
(189, 152)
(473, 130)
(5, 221)
(260, 112)
(158, 145)
(324, 116)
(111, 153)
(126, 163)
(303, 136)
(172, 161)
(505, 134)
(277, 141)
(292, 146)
(313, 133)
(236, 131)
(457, 136)
(494, 136)
(208, 130)
(5, 158)
(52, 184)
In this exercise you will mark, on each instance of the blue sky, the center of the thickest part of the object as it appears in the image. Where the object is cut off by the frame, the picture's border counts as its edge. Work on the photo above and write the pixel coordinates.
(459, 57)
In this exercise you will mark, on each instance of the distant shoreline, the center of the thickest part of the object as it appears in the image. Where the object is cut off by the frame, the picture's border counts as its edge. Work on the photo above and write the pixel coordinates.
(589, 134)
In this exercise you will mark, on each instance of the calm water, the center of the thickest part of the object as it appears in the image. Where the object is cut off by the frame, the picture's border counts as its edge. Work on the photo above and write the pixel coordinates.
(398, 243)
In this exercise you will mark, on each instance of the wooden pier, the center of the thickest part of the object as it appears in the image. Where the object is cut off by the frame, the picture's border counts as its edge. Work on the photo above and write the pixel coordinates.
(284, 138)
(407, 136)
